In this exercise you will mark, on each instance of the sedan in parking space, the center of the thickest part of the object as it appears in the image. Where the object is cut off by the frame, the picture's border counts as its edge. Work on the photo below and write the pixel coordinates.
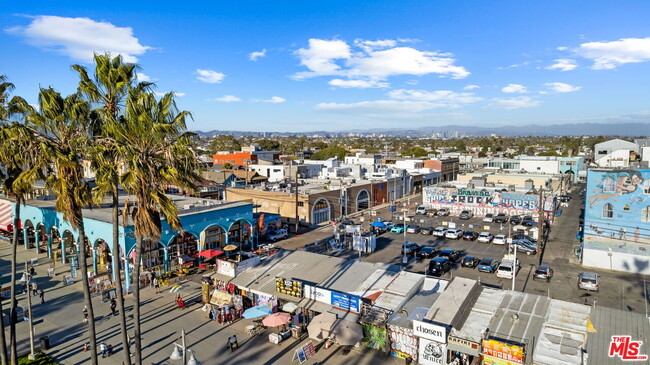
(454, 233)
(528, 221)
(543, 273)
(500, 218)
(413, 229)
(515, 219)
(410, 248)
(465, 214)
(488, 265)
(398, 228)
(488, 218)
(439, 231)
(469, 261)
(443, 212)
(439, 266)
(523, 237)
(588, 281)
(485, 237)
(427, 252)
(470, 236)
(452, 255)
(427, 230)
(500, 239)
(522, 247)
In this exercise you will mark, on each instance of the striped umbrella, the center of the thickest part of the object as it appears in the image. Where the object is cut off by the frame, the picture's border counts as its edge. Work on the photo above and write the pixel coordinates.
(176, 288)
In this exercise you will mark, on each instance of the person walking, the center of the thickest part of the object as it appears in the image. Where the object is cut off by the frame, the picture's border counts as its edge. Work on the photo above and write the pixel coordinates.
(41, 294)
(156, 285)
(103, 349)
(85, 312)
(232, 343)
(113, 306)
(34, 289)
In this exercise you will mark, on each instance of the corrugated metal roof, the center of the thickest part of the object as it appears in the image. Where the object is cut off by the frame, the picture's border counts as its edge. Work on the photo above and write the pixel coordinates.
(563, 335)
(378, 280)
(418, 305)
(389, 301)
(519, 317)
(610, 322)
(404, 283)
(479, 318)
(451, 300)
(351, 275)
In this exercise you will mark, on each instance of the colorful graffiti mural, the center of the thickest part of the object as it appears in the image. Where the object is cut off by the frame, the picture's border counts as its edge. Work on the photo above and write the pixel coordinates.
(482, 202)
(403, 343)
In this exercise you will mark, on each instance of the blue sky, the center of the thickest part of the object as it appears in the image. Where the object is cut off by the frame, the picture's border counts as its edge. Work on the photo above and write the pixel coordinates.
(340, 65)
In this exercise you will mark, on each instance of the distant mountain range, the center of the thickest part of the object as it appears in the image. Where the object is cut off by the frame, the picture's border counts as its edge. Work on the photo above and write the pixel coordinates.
(576, 129)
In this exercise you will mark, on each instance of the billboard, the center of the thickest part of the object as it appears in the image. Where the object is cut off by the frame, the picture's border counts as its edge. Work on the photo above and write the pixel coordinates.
(510, 352)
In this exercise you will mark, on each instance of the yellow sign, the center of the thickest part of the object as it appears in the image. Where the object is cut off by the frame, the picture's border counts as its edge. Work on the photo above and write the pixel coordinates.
(512, 353)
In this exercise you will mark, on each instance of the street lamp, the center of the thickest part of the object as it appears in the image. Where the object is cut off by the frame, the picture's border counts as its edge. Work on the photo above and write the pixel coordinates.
(404, 258)
(180, 352)
(32, 355)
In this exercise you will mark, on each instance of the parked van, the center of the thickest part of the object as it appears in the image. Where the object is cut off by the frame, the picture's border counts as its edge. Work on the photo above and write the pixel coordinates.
(422, 209)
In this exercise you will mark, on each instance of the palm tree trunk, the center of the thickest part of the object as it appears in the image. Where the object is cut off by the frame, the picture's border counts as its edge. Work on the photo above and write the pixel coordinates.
(136, 307)
(13, 314)
(118, 274)
(3, 341)
(83, 266)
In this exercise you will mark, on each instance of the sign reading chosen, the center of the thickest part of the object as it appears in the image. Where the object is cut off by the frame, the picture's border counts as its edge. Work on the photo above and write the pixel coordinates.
(430, 331)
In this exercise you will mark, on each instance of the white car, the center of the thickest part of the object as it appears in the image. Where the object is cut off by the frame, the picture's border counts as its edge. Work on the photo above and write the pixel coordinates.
(454, 233)
(488, 218)
(278, 234)
(485, 237)
(506, 270)
(500, 239)
(439, 231)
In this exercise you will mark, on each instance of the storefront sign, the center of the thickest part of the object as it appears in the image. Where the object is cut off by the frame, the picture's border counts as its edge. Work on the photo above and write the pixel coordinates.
(289, 287)
(430, 331)
(511, 352)
(460, 344)
(318, 294)
(226, 268)
(345, 302)
(432, 352)
(520, 201)
(242, 266)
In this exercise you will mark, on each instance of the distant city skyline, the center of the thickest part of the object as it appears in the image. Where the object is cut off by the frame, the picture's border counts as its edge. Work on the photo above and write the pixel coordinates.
(300, 66)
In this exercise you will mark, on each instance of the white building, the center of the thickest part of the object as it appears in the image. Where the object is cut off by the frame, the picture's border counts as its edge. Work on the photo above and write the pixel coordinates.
(614, 153)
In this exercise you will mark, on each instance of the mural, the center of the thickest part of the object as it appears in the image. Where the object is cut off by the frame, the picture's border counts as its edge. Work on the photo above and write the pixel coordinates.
(617, 209)
(403, 343)
(482, 202)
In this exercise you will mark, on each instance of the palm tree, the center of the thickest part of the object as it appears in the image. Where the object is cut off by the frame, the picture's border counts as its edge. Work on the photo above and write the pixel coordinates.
(109, 87)
(59, 133)
(154, 145)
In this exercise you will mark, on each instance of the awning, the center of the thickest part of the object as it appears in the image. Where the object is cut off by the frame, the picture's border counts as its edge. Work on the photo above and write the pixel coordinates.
(7, 227)
(6, 216)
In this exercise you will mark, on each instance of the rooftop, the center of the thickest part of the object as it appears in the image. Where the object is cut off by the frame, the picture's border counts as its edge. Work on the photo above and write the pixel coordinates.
(519, 317)
(608, 322)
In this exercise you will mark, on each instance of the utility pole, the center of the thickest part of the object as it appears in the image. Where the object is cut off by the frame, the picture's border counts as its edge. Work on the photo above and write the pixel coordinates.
(540, 224)
(297, 217)
(32, 354)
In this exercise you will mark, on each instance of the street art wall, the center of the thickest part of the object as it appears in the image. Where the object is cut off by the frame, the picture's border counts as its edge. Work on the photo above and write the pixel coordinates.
(482, 202)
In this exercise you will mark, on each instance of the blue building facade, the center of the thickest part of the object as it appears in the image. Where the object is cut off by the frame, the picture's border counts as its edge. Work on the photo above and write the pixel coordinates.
(572, 165)
(617, 220)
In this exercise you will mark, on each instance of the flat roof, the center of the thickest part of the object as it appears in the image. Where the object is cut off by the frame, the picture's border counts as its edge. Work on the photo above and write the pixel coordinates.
(608, 322)
(520, 317)
(416, 307)
(352, 274)
(480, 316)
(564, 334)
(458, 292)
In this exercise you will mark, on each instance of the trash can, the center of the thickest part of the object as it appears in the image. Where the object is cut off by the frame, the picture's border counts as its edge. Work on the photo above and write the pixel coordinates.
(45, 343)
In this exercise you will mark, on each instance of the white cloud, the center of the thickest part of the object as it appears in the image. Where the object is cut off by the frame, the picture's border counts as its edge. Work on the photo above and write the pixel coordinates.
(209, 76)
(560, 87)
(443, 98)
(471, 87)
(253, 56)
(609, 55)
(144, 78)
(514, 88)
(177, 94)
(79, 38)
(273, 100)
(514, 103)
(377, 107)
(562, 48)
(372, 60)
(563, 64)
(362, 84)
(228, 99)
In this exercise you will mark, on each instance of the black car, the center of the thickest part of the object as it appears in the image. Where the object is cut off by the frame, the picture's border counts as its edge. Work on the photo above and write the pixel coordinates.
(543, 273)
(427, 230)
(528, 221)
(427, 252)
(500, 218)
(488, 265)
(439, 266)
(523, 237)
(564, 198)
(470, 236)
(469, 261)
(410, 248)
(452, 255)
(515, 219)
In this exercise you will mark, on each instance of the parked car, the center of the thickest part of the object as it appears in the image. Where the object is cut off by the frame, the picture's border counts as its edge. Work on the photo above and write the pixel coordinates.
(500, 239)
(398, 228)
(500, 218)
(564, 198)
(443, 212)
(543, 273)
(440, 231)
(528, 221)
(410, 248)
(427, 252)
(431, 212)
(421, 210)
(277, 235)
(488, 265)
(515, 219)
(413, 229)
(524, 247)
(506, 270)
(488, 218)
(452, 255)
(523, 237)
(470, 235)
(589, 281)
(469, 261)
(454, 233)
(439, 266)
(465, 214)
(485, 237)
(427, 230)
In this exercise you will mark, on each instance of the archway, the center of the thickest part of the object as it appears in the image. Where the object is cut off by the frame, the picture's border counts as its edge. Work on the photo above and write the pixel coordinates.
(182, 249)
(56, 244)
(30, 234)
(215, 238)
(240, 233)
(41, 238)
(363, 200)
(153, 257)
(321, 211)
(68, 246)
(102, 258)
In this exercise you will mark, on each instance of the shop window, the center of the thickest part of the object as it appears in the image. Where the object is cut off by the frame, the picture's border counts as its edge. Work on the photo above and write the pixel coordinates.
(626, 208)
(645, 214)
(608, 211)
(301, 204)
(609, 185)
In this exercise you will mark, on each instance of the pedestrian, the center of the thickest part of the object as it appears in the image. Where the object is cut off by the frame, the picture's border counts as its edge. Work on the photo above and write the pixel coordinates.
(232, 343)
(636, 234)
(34, 289)
(85, 312)
(24, 287)
(156, 285)
(103, 349)
(113, 306)
(42, 295)
(109, 350)
(32, 272)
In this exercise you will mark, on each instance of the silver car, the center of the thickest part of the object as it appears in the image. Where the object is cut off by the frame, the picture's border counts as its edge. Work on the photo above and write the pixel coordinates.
(588, 281)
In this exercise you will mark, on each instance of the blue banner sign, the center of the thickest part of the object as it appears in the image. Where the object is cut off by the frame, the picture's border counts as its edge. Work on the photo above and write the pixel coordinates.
(345, 302)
